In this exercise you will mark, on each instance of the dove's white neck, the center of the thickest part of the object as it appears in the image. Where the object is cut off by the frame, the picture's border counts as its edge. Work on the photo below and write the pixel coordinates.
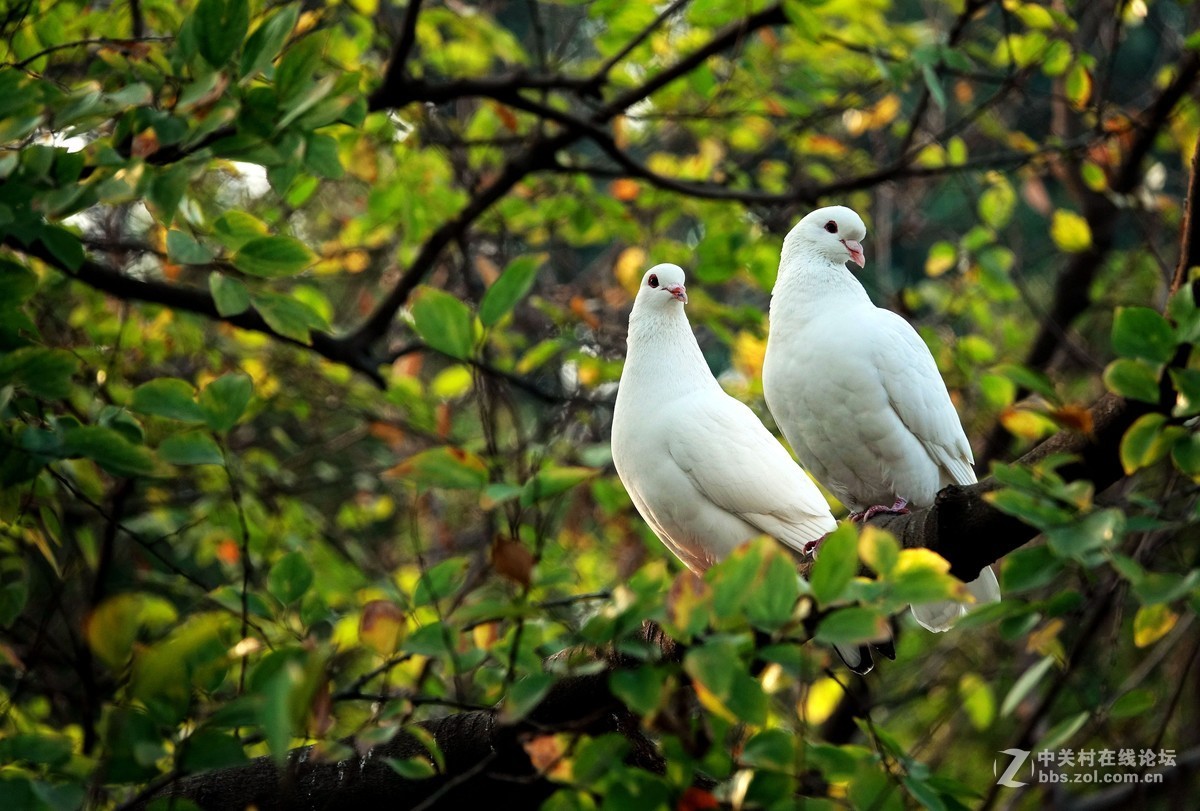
(809, 283)
(663, 355)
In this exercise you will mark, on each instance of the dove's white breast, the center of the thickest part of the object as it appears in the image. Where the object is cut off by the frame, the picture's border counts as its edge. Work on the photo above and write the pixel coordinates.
(860, 399)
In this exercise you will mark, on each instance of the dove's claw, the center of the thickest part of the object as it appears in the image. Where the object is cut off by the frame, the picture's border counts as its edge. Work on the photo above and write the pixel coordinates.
(810, 548)
(899, 507)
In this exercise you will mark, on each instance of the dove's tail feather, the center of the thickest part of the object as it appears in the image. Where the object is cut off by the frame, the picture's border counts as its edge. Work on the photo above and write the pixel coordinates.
(938, 617)
(857, 658)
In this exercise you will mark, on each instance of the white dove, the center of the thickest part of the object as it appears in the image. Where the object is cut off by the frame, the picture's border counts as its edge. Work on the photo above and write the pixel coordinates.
(701, 469)
(856, 391)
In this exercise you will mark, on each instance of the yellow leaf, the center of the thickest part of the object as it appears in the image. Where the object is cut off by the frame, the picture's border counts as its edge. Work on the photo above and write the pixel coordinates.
(1026, 424)
(920, 558)
(748, 354)
(381, 626)
(629, 267)
(878, 548)
(820, 702)
(1152, 623)
(1045, 640)
(1070, 232)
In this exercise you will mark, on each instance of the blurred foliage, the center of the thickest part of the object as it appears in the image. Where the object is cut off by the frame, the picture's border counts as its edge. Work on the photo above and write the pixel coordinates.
(305, 384)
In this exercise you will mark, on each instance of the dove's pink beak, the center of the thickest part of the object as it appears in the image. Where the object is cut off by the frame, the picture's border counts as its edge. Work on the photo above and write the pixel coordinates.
(856, 252)
(678, 291)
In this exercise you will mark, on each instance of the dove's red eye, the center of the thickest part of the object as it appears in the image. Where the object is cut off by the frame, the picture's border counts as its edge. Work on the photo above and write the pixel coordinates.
(653, 282)
(831, 227)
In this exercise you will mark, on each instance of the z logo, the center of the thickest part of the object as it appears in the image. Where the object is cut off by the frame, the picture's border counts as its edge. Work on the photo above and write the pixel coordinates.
(1019, 756)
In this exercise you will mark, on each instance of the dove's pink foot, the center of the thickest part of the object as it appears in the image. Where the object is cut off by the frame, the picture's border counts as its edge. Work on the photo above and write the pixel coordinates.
(810, 548)
(900, 507)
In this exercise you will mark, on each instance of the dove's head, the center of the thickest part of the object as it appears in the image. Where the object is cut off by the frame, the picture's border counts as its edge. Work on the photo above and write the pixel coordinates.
(834, 232)
(661, 287)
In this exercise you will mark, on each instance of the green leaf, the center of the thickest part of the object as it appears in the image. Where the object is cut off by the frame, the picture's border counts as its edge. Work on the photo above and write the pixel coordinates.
(1098, 529)
(510, 288)
(446, 467)
(772, 749)
(935, 86)
(443, 322)
(640, 688)
(235, 228)
(836, 565)
(852, 625)
(290, 578)
(288, 315)
(1135, 379)
(997, 203)
(978, 701)
(229, 295)
(273, 257)
(1151, 623)
(1182, 309)
(110, 449)
(923, 793)
(1139, 332)
(1024, 684)
(225, 399)
(722, 684)
(220, 27)
(524, 695)
(413, 768)
(42, 372)
(321, 155)
(64, 245)
(1029, 568)
(183, 248)
(1061, 732)
(267, 40)
(190, 448)
(1132, 704)
(168, 397)
(1144, 443)
(1029, 379)
(1187, 387)
(770, 605)
(1186, 455)
(209, 749)
(17, 282)
(553, 481)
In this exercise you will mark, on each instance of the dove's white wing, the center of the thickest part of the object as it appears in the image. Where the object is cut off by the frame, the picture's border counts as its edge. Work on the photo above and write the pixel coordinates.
(918, 395)
(738, 466)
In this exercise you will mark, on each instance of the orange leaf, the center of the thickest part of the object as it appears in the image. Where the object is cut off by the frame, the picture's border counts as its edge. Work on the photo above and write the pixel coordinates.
(624, 189)
(388, 433)
(507, 117)
(512, 560)
(1077, 418)
(228, 551)
(548, 753)
(696, 799)
(144, 143)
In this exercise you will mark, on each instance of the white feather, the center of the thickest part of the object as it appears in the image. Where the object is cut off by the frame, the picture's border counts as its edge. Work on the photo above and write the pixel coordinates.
(856, 391)
(699, 465)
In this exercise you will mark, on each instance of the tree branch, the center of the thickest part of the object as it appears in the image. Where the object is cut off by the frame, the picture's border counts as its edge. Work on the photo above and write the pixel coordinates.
(184, 299)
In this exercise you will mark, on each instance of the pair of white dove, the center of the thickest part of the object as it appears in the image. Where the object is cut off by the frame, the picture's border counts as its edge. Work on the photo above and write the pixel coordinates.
(852, 386)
